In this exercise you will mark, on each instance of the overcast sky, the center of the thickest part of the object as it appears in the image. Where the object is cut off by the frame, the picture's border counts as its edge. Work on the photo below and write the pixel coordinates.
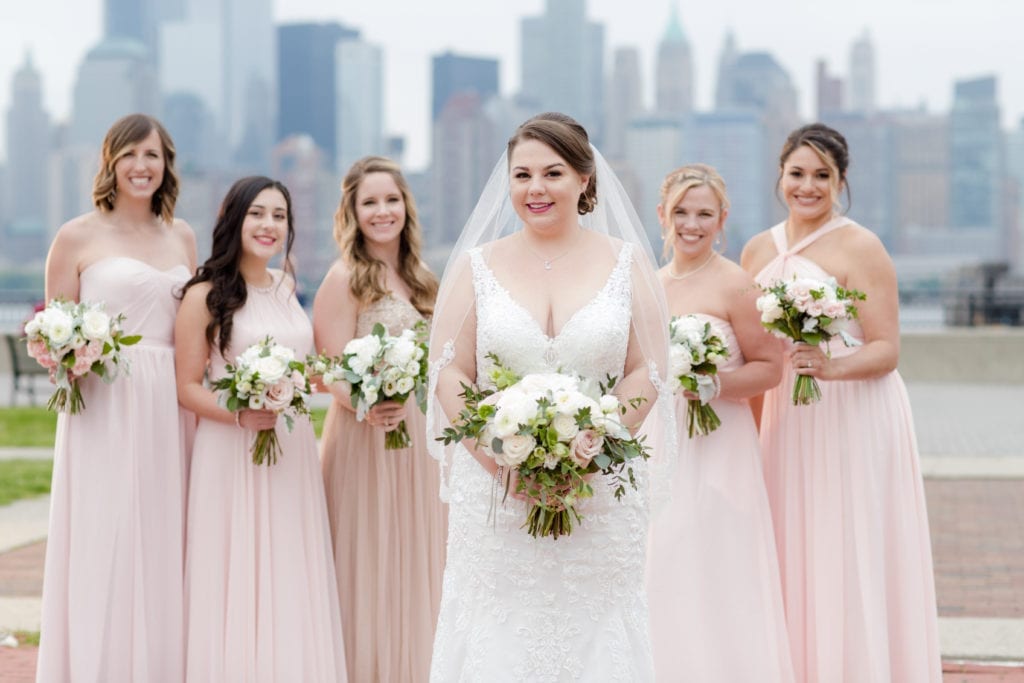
(921, 46)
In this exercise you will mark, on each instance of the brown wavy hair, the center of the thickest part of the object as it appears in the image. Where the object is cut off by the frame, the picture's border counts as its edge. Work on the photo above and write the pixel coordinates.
(126, 132)
(367, 280)
(569, 140)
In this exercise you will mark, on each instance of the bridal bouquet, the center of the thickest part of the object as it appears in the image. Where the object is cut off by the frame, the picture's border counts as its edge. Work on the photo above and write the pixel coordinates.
(380, 367)
(808, 311)
(554, 432)
(73, 339)
(694, 355)
(266, 376)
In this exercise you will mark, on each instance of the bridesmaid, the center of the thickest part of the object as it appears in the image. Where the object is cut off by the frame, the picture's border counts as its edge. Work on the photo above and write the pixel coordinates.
(112, 604)
(712, 572)
(261, 600)
(843, 476)
(388, 524)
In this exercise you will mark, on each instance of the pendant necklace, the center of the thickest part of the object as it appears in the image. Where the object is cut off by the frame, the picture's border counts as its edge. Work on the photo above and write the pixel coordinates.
(672, 274)
(547, 261)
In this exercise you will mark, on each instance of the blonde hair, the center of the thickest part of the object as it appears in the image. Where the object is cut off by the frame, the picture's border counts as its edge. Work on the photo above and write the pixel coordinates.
(367, 280)
(682, 180)
(126, 132)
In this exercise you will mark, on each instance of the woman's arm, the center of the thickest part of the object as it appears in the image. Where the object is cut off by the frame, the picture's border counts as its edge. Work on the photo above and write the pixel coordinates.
(762, 367)
(63, 261)
(191, 354)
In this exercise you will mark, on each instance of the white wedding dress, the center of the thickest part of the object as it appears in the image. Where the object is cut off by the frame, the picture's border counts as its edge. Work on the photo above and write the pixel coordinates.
(518, 608)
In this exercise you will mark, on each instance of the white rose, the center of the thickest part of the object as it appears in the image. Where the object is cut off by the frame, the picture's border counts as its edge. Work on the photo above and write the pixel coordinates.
(58, 327)
(565, 427)
(609, 404)
(400, 352)
(515, 449)
(505, 424)
(96, 325)
(357, 365)
(566, 402)
(405, 385)
(282, 353)
(279, 396)
(679, 360)
(33, 326)
(271, 368)
(770, 308)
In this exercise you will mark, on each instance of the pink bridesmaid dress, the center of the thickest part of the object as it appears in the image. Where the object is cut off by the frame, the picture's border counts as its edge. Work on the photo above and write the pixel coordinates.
(712, 572)
(847, 498)
(261, 600)
(389, 529)
(112, 584)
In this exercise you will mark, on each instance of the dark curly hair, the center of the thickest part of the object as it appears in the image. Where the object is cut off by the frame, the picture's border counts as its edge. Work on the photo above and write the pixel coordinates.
(569, 140)
(228, 290)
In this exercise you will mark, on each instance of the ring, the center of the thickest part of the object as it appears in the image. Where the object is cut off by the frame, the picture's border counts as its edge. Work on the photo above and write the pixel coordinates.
(808, 364)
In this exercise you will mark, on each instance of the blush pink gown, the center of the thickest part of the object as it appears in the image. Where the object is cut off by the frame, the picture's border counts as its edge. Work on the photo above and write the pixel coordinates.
(847, 499)
(261, 600)
(112, 597)
(389, 529)
(712, 572)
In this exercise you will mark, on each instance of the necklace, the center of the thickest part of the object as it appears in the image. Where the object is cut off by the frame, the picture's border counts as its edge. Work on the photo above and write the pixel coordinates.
(548, 261)
(672, 274)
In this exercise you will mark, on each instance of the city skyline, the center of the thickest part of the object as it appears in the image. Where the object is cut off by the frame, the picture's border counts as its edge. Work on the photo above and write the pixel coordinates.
(959, 44)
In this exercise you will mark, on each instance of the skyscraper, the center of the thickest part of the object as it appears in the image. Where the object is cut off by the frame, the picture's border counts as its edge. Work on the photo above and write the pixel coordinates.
(673, 95)
(563, 64)
(653, 148)
(250, 80)
(862, 75)
(976, 156)
(307, 64)
(829, 91)
(625, 101)
(726, 58)
(28, 158)
(457, 74)
(359, 123)
(116, 78)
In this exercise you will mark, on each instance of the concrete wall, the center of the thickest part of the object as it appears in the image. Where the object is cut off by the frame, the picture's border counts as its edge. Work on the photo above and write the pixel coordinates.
(986, 355)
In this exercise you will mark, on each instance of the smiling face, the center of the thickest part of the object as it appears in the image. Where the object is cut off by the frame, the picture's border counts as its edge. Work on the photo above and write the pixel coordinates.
(544, 188)
(694, 222)
(808, 184)
(265, 227)
(380, 209)
(140, 168)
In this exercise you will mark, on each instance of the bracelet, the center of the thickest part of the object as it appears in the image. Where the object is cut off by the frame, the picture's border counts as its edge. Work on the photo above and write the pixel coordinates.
(238, 418)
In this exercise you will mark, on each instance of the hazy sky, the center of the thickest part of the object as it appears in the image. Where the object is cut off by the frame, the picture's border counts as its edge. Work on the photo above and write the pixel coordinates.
(921, 46)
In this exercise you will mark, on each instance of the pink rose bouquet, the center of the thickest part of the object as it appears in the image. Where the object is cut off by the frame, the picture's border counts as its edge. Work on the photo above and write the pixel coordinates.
(266, 376)
(75, 339)
(808, 311)
(553, 432)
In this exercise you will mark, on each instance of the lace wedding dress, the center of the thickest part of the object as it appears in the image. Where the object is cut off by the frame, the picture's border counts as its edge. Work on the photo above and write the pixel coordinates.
(518, 608)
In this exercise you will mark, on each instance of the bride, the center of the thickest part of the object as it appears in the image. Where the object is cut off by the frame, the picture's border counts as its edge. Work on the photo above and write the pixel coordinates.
(545, 293)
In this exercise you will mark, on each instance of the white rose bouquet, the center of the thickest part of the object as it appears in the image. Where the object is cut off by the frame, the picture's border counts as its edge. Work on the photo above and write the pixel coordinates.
(554, 432)
(266, 376)
(380, 367)
(73, 339)
(694, 355)
(808, 311)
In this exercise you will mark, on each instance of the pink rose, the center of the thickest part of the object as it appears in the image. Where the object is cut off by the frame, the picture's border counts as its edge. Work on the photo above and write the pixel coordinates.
(814, 308)
(37, 349)
(585, 446)
(299, 380)
(279, 396)
(835, 310)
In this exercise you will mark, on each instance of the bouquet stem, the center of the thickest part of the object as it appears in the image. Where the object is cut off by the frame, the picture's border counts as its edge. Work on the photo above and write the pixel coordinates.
(67, 400)
(397, 438)
(543, 521)
(265, 447)
(701, 418)
(806, 390)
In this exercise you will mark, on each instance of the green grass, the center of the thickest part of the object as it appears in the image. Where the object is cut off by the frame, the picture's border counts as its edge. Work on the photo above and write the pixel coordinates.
(24, 427)
(27, 637)
(24, 479)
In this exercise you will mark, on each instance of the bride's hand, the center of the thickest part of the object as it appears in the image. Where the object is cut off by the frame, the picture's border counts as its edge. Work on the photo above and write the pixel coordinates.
(386, 415)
